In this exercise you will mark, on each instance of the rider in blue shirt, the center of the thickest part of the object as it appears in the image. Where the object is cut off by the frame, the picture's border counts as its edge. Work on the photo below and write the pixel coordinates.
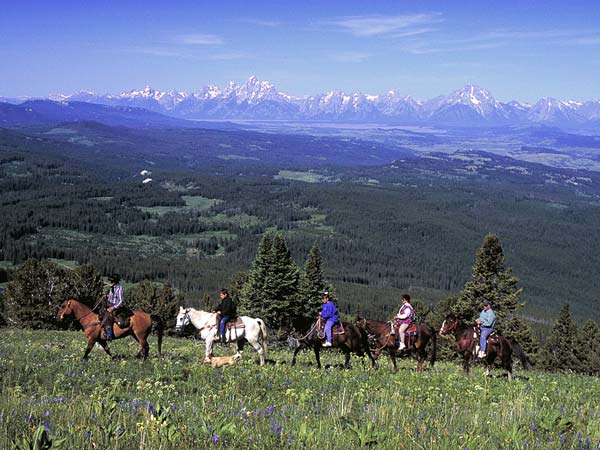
(330, 314)
(486, 322)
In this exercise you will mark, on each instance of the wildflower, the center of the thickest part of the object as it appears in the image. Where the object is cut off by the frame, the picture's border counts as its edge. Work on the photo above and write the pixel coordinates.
(215, 438)
(47, 426)
(86, 435)
(533, 427)
(47, 413)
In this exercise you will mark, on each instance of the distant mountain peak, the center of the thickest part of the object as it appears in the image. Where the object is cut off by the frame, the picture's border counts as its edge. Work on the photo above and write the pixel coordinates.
(260, 99)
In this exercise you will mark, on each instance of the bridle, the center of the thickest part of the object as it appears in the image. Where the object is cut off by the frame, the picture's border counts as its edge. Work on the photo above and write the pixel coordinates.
(86, 314)
(185, 321)
(386, 339)
(447, 329)
(187, 317)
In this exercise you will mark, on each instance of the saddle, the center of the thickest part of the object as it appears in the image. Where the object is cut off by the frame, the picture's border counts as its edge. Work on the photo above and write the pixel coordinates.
(338, 328)
(410, 331)
(122, 316)
(236, 322)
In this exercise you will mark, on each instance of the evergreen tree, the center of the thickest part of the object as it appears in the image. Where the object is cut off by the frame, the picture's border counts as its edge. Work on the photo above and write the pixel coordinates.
(33, 296)
(588, 348)
(490, 281)
(162, 301)
(252, 295)
(271, 291)
(558, 352)
(311, 288)
(87, 284)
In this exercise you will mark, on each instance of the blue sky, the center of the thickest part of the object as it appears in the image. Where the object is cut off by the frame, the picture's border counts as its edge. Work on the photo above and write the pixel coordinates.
(520, 50)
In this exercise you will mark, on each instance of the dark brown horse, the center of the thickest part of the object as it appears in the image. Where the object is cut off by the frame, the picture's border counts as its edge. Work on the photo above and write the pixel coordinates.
(140, 326)
(381, 337)
(351, 340)
(467, 339)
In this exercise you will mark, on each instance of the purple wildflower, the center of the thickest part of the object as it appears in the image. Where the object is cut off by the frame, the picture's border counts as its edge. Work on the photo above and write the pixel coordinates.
(215, 438)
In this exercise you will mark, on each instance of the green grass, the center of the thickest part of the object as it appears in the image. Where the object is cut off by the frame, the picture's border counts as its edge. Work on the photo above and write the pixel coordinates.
(308, 177)
(177, 402)
(175, 245)
(192, 203)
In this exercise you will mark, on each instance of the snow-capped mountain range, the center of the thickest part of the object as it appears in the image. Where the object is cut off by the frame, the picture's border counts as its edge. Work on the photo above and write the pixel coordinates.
(260, 100)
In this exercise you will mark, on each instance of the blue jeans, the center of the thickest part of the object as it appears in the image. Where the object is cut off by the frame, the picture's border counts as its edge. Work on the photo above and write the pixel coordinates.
(222, 325)
(328, 326)
(485, 332)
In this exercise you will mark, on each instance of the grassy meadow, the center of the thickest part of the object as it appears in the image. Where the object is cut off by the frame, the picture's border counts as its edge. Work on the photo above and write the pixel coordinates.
(176, 402)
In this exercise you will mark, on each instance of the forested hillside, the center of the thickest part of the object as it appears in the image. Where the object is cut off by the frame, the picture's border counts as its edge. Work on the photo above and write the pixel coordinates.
(413, 225)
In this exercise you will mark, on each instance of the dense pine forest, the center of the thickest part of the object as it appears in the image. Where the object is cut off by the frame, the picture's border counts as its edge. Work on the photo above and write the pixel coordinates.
(410, 226)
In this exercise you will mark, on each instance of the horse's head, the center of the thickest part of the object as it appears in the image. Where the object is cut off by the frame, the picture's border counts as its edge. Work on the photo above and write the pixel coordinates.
(183, 319)
(449, 324)
(65, 309)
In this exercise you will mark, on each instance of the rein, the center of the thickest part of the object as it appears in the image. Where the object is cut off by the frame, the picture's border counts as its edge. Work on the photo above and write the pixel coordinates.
(312, 329)
(88, 313)
(388, 339)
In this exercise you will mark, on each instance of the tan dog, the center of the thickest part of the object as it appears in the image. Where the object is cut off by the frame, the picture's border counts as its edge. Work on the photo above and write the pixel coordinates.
(220, 361)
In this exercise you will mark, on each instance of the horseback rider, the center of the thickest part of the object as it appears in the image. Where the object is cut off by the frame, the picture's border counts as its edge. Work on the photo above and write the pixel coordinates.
(226, 310)
(329, 313)
(404, 317)
(486, 322)
(114, 300)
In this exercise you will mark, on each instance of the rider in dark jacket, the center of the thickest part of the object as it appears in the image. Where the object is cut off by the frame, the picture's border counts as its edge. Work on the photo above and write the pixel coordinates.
(227, 311)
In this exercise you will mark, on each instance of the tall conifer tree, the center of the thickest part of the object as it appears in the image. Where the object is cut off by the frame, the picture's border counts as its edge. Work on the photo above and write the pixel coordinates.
(588, 348)
(490, 281)
(312, 287)
(558, 352)
(271, 291)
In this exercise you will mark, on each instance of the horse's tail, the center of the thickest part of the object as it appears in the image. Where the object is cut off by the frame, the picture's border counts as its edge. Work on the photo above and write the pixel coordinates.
(520, 353)
(160, 326)
(263, 334)
(433, 332)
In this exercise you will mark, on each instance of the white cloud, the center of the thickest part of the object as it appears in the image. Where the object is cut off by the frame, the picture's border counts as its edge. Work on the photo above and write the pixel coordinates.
(351, 57)
(260, 22)
(198, 39)
(390, 26)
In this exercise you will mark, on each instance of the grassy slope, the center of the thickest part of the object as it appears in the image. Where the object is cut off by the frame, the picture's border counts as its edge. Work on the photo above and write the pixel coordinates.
(176, 402)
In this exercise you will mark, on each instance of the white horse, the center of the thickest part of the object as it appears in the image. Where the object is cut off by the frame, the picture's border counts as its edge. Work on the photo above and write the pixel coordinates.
(253, 330)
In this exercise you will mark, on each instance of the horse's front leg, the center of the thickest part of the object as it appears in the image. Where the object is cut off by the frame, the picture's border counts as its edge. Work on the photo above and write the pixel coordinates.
(347, 357)
(209, 345)
(296, 351)
(392, 353)
(317, 350)
(467, 361)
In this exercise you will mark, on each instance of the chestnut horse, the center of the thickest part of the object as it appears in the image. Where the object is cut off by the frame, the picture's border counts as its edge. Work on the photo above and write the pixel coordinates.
(467, 341)
(140, 326)
(351, 340)
(380, 334)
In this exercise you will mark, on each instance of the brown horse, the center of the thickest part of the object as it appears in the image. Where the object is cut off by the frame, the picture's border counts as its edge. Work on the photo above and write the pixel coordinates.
(350, 340)
(467, 339)
(380, 335)
(139, 328)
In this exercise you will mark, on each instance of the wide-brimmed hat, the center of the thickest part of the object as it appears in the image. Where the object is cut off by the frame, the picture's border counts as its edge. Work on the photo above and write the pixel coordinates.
(114, 278)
